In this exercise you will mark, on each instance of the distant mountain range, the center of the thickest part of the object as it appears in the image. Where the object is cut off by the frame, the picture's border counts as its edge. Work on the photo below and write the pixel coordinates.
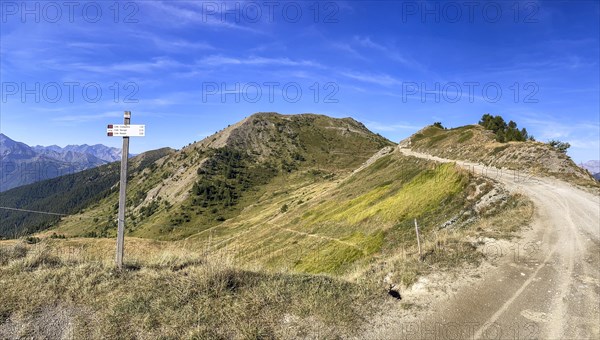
(593, 167)
(21, 164)
(100, 151)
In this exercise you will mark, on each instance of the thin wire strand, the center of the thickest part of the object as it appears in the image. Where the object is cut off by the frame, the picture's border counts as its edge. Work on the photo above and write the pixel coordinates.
(34, 211)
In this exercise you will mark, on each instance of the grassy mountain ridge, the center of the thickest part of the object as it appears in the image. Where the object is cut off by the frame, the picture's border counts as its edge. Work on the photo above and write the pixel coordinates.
(215, 179)
(314, 139)
(475, 143)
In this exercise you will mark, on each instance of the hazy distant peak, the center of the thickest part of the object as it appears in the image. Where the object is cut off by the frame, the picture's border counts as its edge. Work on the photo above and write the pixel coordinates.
(593, 166)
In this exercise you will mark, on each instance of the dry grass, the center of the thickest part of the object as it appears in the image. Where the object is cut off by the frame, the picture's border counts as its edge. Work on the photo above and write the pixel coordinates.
(170, 294)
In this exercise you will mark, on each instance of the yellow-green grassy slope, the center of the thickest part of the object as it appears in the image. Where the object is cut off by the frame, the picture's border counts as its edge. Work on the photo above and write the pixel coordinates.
(306, 223)
(474, 143)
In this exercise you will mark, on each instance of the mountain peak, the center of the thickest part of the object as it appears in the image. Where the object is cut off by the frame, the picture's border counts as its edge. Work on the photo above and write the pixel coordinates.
(9, 146)
(267, 134)
(4, 137)
(593, 166)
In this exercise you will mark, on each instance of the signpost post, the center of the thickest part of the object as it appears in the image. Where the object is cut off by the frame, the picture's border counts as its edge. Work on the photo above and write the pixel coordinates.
(126, 130)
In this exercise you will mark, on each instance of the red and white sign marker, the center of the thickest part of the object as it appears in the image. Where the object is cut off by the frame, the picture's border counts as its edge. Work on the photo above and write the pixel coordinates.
(121, 130)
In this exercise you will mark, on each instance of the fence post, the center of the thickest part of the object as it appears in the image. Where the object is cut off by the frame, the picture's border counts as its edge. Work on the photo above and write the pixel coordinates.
(418, 241)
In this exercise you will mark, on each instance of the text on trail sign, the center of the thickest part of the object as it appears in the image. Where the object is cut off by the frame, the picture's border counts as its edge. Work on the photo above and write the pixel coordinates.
(122, 130)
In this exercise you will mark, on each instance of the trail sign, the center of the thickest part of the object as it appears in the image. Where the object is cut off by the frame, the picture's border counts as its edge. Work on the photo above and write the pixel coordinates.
(123, 130)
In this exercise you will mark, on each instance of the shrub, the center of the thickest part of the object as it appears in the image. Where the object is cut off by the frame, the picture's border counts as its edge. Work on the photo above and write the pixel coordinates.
(32, 240)
(40, 256)
(558, 145)
(18, 251)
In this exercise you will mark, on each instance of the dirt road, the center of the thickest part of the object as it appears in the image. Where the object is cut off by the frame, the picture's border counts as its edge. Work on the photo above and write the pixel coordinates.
(545, 286)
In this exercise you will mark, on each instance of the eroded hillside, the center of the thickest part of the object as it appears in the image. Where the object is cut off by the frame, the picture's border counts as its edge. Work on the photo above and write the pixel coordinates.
(476, 144)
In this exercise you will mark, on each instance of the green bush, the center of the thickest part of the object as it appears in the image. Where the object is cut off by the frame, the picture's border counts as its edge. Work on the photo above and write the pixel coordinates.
(32, 240)
(558, 145)
(504, 132)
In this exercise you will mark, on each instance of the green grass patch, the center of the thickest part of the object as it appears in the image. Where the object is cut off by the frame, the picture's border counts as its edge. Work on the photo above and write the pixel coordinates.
(392, 204)
(465, 136)
(335, 256)
(436, 139)
(499, 149)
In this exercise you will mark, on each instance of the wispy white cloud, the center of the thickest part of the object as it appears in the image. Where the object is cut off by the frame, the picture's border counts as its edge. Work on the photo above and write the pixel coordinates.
(82, 118)
(192, 12)
(550, 128)
(591, 144)
(373, 78)
(173, 98)
(348, 50)
(139, 67)
(171, 44)
(89, 45)
(378, 126)
(533, 65)
(218, 60)
(385, 51)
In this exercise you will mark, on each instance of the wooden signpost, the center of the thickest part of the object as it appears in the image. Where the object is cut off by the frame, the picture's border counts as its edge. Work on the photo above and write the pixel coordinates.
(126, 130)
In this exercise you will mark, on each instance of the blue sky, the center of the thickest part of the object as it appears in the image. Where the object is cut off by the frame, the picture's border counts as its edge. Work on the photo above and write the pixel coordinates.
(188, 68)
